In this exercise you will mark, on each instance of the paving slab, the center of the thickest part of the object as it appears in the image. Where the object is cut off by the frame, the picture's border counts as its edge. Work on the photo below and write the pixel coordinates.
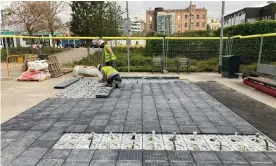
(128, 163)
(24, 161)
(57, 154)
(102, 163)
(81, 155)
(130, 155)
(75, 163)
(52, 162)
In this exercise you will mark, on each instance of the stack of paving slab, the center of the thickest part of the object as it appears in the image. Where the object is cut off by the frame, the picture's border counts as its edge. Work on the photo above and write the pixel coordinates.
(66, 83)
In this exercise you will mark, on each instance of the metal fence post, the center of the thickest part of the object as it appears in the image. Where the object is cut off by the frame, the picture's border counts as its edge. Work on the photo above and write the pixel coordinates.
(7, 51)
(221, 37)
(260, 51)
(128, 42)
(163, 54)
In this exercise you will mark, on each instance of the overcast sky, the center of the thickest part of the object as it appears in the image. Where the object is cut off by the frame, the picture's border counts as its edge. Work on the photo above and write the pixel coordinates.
(138, 8)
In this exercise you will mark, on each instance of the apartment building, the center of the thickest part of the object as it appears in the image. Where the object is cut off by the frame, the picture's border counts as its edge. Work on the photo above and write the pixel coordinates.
(137, 25)
(214, 23)
(175, 20)
(251, 14)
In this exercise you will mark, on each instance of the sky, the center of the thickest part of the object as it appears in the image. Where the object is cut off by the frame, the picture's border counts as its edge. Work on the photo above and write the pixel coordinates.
(138, 8)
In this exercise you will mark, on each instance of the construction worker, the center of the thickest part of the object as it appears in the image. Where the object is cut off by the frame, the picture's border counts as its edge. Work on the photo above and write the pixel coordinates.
(108, 54)
(111, 76)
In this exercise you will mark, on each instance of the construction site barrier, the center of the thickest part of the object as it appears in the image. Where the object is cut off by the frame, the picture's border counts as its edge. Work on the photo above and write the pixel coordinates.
(17, 62)
(139, 38)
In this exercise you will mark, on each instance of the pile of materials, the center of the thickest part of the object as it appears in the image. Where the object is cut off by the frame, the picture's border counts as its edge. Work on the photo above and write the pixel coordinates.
(37, 71)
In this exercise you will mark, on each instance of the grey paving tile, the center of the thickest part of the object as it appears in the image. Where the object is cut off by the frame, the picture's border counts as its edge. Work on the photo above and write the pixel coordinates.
(105, 154)
(81, 155)
(52, 162)
(63, 123)
(252, 157)
(180, 156)
(128, 163)
(209, 130)
(24, 142)
(41, 127)
(50, 135)
(43, 144)
(76, 128)
(227, 130)
(155, 163)
(182, 163)
(34, 152)
(97, 129)
(102, 163)
(155, 155)
(7, 159)
(11, 134)
(200, 156)
(130, 155)
(75, 163)
(263, 164)
(57, 154)
(236, 164)
(271, 155)
(209, 164)
(5, 142)
(24, 161)
(188, 129)
(233, 157)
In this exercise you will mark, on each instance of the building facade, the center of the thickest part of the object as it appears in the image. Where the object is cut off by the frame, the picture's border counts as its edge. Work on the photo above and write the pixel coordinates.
(214, 23)
(137, 25)
(251, 14)
(176, 20)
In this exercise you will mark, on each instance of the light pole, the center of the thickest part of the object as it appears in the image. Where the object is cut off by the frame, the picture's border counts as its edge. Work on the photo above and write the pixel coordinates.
(127, 35)
(221, 36)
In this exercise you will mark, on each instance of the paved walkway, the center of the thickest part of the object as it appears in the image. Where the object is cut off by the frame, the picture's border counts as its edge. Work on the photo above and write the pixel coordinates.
(74, 54)
(16, 97)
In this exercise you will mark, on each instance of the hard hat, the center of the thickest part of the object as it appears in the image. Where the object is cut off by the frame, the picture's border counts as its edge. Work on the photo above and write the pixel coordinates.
(99, 67)
(100, 42)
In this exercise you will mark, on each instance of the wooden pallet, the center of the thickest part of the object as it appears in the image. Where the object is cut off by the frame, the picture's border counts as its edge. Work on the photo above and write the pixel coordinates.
(54, 67)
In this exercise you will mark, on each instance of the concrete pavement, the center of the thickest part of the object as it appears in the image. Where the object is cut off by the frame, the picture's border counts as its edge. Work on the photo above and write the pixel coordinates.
(16, 97)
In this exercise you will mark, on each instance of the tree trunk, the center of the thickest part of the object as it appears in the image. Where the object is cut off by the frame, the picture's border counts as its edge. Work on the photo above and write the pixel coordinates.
(88, 52)
(53, 40)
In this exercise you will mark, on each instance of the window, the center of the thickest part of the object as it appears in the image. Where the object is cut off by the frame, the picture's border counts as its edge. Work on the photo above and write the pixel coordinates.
(179, 26)
(197, 24)
(185, 24)
(203, 16)
(203, 24)
(150, 18)
(150, 26)
(186, 17)
(197, 16)
(178, 17)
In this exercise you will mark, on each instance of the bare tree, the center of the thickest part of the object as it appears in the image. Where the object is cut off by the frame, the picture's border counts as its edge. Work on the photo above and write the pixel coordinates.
(26, 14)
(50, 15)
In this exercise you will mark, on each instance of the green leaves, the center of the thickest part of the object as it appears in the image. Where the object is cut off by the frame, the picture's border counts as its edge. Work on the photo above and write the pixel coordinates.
(95, 18)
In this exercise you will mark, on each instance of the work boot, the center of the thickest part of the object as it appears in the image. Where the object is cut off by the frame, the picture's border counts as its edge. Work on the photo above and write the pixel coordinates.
(116, 84)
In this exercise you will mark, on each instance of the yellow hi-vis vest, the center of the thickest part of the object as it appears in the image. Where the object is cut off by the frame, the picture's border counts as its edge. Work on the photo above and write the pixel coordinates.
(109, 71)
(106, 54)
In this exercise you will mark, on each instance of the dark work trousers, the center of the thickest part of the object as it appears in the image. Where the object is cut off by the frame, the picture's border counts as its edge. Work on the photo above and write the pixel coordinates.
(111, 63)
(115, 77)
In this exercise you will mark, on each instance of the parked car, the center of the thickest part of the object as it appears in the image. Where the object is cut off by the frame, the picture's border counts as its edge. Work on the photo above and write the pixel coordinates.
(72, 43)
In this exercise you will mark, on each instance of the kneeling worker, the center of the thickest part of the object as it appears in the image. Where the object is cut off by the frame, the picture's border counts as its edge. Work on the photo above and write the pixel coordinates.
(111, 76)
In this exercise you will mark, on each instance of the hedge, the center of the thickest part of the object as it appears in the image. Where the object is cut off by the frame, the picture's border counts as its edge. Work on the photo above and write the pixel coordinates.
(250, 28)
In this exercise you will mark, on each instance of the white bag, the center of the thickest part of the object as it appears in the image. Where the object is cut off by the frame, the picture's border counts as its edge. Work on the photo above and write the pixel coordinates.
(38, 65)
(90, 71)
